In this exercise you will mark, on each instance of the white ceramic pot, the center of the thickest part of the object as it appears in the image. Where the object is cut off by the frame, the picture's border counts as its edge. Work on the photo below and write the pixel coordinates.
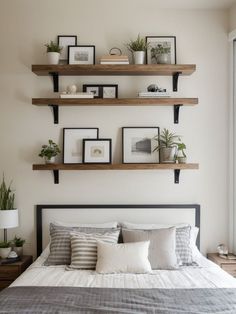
(167, 154)
(50, 161)
(18, 250)
(53, 57)
(163, 58)
(4, 252)
(139, 57)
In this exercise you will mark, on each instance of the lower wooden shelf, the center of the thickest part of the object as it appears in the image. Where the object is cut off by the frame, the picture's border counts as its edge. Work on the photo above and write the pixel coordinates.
(56, 167)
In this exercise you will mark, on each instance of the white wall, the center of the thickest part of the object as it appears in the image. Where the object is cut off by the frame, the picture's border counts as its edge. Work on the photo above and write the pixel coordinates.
(201, 39)
(232, 18)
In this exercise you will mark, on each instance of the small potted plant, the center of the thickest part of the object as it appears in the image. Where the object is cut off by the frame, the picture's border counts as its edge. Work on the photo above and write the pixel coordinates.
(160, 54)
(49, 152)
(181, 156)
(167, 146)
(5, 249)
(138, 48)
(53, 52)
(18, 245)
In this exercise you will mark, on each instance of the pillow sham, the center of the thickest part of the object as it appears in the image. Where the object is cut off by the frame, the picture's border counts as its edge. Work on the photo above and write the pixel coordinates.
(162, 253)
(84, 248)
(60, 245)
(123, 258)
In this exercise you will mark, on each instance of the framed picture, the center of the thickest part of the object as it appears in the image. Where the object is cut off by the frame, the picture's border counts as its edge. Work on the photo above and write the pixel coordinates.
(139, 144)
(102, 91)
(73, 143)
(64, 41)
(162, 49)
(97, 151)
(81, 54)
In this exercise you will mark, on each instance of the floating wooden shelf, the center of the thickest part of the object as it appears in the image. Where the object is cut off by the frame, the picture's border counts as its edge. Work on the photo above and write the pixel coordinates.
(56, 102)
(56, 167)
(101, 69)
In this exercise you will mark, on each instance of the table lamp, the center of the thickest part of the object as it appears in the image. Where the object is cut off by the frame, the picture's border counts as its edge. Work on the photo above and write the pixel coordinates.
(8, 219)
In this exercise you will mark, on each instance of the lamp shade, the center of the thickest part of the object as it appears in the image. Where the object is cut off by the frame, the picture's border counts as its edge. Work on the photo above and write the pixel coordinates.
(9, 218)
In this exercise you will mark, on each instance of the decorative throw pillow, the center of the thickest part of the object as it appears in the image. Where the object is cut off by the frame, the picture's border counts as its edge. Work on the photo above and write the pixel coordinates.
(84, 248)
(183, 245)
(123, 258)
(162, 253)
(60, 246)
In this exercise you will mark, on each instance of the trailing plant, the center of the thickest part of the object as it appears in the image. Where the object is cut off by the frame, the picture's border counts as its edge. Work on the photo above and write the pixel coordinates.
(137, 45)
(5, 245)
(167, 139)
(7, 197)
(49, 151)
(181, 148)
(53, 47)
(18, 242)
(159, 50)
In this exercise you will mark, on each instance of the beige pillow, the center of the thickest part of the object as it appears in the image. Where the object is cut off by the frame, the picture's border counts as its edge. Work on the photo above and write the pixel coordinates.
(123, 258)
(162, 253)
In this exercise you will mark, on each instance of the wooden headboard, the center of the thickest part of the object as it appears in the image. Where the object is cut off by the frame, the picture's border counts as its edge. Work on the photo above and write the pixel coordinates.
(158, 213)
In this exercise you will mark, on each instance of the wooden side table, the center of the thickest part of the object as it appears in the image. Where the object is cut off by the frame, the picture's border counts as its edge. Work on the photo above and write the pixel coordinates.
(9, 272)
(229, 265)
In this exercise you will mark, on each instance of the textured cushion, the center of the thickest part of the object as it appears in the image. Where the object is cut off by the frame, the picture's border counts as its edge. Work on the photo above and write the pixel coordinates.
(60, 246)
(183, 245)
(123, 258)
(162, 253)
(84, 248)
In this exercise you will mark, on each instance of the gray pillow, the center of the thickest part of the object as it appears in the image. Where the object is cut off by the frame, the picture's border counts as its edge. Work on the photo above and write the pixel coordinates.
(183, 245)
(162, 253)
(60, 246)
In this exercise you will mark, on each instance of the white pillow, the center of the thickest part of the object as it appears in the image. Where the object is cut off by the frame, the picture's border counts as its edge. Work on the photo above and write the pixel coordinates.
(123, 258)
(110, 224)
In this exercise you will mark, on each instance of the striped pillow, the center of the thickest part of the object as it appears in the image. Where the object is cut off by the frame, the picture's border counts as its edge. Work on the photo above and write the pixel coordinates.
(84, 248)
(60, 246)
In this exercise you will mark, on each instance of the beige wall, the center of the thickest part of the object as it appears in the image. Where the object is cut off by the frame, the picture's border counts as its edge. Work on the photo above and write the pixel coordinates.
(201, 39)
(232, 18)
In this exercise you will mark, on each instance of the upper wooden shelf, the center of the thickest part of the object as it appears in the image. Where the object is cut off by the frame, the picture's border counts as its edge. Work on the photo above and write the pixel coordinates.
(114, 101)
(100, 69)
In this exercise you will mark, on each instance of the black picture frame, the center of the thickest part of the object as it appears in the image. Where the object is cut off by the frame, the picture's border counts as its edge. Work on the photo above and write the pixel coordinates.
(106, 161)
(100, 89)
(162, 37)
(147, 148)
(92, 59)
(59, 38)
(80, 157)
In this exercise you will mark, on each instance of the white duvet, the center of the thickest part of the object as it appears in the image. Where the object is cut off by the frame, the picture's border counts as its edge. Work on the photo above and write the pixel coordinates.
(206, 275)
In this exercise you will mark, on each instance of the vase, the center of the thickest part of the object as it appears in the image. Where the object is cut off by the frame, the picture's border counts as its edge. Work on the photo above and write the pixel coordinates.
(167, 154)
(53, 57)
(4, 252)
(182, 160)
(18, 250)
(163, 58)
(139, 57)
(50, 161)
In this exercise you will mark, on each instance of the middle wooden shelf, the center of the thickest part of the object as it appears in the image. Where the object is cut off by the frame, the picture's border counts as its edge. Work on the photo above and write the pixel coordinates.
(138, 101)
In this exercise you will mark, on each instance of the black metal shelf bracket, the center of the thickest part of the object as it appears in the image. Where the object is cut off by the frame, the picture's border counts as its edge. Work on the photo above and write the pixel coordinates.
(56, 176)
(177, 173)
(55, 78)
(55, 110)
(176, 113)
(175, 81)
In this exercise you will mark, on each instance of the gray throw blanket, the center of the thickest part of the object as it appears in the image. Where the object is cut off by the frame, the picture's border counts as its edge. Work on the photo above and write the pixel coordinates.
(111, 300)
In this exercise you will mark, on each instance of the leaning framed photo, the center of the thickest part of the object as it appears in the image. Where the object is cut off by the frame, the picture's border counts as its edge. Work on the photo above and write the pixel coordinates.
(161, 49)
(138, 144)
(97, 151)
(73, 143)
(81, 54)
(64, 41)
(102, 91)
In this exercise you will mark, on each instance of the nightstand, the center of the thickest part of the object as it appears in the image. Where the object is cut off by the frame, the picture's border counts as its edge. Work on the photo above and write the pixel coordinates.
(229, 265)
(9, 272)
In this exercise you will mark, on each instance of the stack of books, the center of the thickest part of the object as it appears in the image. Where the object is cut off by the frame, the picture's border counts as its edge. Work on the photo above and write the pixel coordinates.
(154, 94)
(114, 59)
(77, 95)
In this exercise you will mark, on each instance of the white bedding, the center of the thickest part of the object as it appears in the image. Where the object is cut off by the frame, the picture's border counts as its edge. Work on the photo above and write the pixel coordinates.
(207, 275)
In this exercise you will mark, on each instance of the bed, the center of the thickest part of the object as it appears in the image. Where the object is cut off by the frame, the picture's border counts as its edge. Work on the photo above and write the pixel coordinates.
(201, 288)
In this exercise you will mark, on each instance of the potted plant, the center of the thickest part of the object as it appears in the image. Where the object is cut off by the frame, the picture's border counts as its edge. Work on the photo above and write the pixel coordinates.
(5, 249)
(181, 156)
(167, 146)
(53, 52)
(138, 48)
(160, 54)
(8, 213)
(18, 245)
(49, 152)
